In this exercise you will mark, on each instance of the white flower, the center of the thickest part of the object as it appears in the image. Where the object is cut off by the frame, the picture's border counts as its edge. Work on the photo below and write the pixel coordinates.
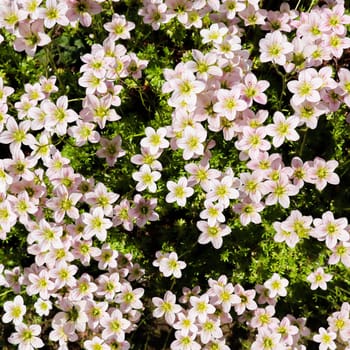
(276, 286)
(171, 266)
(319, 279)
(179, 192)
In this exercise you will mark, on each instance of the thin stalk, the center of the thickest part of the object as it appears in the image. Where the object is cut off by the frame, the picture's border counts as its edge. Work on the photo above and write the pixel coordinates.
(297, 5)
(284, 84)
(301, 150)
(166, 340)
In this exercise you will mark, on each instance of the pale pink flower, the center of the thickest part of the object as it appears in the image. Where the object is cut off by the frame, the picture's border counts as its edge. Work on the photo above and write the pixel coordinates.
(47, 235)
(96, 224)
(319, 279)
(210, 329)
(23, 206)
(33, 92)
(191, 141)
(83, 251)
(54, 12)
(300, 172)
(58, 115)
(135, 66)
(204, 65)
(64, 203)
(179, 192)
(252, 141)
(201, 307)
(146, 157)
(339, 321)
(26, 337)
(215, 33)
(274, 47)
(253, 89)
(337, 44)
(114, 326)
(212, 234)
(185, 89)
(166, 307)
(230, 8)
(119, 28)
(111, 149)
(5, 91)
(267, 339)
(155, 14)
(14, 310)
(322, 172)
(298, 224)
(129, 298)
(185, 323)
(146, 179)
(251, 185)
(84, 132)
(96, 343)
(30, 36)
(184, 342)
(344, 84)
(122, 215)
(263, 317)
(40, 284)
(249, 211)
(96, 62)
(63, 330)
(340, 253)
(290, 237)
(229, 102)
(277, 20)
(223, 190)
(17, 134)
(48, 85)
(81, 10)
(5, 179)
(108, 285)
(63, 273)
(279, 191)
(55, 164)
(282, 129)
(101, 197)
(223, 295)
(42, 307)
(326, 339)
(335, 19)
(14, 279)
(309, 112)
(95, 311)
(287, 330)
(331, 230)
(306, 87)
(311, 25)
(276, 286)
(252, 17)
(246, 299)
(107, 257)
(83, 289)
(155, 140)
(68, 178)
(93, 84)
(20, 166)
(144, 210)
(10, 15)
(212, 213)
(171, 266)
(202, 174)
